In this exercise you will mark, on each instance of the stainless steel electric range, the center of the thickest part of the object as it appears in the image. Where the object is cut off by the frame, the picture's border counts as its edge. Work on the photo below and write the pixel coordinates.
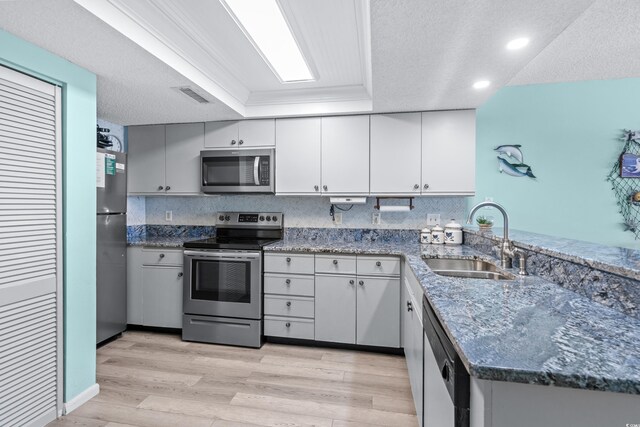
(223, 279)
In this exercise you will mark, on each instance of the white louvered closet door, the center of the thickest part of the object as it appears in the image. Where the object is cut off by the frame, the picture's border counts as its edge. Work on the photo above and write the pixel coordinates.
(30, 250)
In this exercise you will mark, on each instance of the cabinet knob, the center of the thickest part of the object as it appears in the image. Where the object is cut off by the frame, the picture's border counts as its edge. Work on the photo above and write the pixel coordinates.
(240, 142)
(415, 187)
(426, 186)
(288, 325)
(161, 255)
(324, 187)
(160, 188)
(233, 142)
(288, 303)
(361, 283)
(180, 274)
(335, 262)
(288, 259)
(288, 281)
(315, 187)
(409, 306)
(378, 263)
(168, 188)
(351, 282)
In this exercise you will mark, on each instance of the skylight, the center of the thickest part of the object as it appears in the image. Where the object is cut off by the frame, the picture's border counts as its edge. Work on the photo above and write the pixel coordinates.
(264, 24)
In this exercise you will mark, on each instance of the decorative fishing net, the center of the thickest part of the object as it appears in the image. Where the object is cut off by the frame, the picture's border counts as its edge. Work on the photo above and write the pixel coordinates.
(625, 188)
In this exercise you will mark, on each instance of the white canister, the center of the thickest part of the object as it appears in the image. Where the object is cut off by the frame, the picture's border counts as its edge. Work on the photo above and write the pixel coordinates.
(453, 233)
(425, 236)
(437, 235)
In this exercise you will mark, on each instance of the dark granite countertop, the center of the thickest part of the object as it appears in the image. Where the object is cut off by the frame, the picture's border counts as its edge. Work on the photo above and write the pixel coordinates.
(528, 330)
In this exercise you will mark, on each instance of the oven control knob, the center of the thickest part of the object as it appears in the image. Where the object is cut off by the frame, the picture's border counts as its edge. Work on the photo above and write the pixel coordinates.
(221, 217)
(227, 218)
(274, 218)
(268, 218)
(261, 217)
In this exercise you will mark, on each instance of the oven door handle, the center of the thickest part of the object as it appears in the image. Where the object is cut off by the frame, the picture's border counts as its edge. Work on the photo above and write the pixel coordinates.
(222, 256)
(256, 170)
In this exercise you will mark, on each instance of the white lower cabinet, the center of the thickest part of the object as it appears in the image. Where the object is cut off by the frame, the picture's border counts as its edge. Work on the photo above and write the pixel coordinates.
(154, 287)
(335, 308)
(378, 311)
(413, 338)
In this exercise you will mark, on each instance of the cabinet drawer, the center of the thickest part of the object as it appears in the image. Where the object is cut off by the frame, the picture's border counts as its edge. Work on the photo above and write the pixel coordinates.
(336, 264)
(162, 257)
(288, 306)
(288, 284)
(288, 328)
(378, 265)
(288, 263)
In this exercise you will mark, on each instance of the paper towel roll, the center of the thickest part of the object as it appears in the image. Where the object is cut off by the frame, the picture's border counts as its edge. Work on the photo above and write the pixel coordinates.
(394, 209)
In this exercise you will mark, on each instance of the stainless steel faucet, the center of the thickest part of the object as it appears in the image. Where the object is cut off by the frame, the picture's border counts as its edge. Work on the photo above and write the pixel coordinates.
(508, 251)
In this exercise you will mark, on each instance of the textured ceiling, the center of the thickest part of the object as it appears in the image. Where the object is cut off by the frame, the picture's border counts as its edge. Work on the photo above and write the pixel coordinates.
(424, 54)
(603, 43)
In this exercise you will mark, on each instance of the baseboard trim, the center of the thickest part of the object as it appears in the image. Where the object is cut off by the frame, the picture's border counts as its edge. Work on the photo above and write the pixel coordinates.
(81, 399)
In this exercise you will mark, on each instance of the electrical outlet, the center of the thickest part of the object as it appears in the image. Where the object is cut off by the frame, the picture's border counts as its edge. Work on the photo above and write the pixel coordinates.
(433, 219)
(337, 218)
(168, 216)
(375, 218)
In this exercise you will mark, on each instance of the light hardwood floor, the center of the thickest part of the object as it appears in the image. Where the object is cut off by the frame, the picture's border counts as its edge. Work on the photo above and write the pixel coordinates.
(154, 380)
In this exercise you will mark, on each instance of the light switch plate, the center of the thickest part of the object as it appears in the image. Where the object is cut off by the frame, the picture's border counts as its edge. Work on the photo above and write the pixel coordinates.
(433, 219)
(375, 218)
(337, 218)
(168, 216)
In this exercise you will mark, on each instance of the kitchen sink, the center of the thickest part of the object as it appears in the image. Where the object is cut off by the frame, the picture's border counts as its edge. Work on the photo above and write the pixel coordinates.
(467, 268)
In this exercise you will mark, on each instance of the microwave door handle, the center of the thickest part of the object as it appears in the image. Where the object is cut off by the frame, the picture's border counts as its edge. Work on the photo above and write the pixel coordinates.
(256, 170)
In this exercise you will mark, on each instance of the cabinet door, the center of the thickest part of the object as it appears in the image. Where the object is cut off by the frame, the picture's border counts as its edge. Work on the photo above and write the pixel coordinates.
(221, 134)
(449, 152)
(298, 156)
(335, 309)
(378, 312)
(162, 296)
(184, 143)
(146, 159)
(395, 153)
(257, 133)
(415, 369)
(134, 286)
(345, 155)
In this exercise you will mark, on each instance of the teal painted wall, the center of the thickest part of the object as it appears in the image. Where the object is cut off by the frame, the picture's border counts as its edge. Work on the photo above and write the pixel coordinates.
(79, 201)
(569, 135)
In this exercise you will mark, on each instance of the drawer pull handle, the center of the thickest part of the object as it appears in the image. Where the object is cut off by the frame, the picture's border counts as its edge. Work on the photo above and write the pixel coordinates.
(288, 281)
(361, 283)
(180, 274)
(288, 303)
(351, 282)
(409, 306)
(335, 262)
(378, 264)
(288, 324)
(288, 259)
(161, 255)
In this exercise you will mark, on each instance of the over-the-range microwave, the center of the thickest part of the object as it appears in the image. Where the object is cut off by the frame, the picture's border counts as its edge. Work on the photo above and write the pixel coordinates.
(238, 171)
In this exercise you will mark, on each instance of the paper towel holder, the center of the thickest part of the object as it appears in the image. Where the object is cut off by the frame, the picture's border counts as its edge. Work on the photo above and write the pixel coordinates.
(378, 199)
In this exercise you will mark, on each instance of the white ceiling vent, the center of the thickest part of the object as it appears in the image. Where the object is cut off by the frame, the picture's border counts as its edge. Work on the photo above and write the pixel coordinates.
(193, 94)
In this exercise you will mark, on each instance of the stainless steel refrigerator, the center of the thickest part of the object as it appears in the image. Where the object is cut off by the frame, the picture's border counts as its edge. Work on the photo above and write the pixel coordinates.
(111, 295)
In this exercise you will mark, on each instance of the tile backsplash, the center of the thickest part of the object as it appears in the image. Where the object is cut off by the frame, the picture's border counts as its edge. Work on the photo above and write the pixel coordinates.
(299, 211)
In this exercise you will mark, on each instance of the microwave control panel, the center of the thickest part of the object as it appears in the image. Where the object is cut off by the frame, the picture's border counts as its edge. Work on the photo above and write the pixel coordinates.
(265, 171)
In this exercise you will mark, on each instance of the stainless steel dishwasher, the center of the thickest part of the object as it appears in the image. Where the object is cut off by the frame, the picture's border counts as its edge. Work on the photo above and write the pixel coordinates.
(446, 380)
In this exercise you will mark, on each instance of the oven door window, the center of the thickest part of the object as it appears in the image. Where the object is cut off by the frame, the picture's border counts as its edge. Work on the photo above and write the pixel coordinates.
(224, 281)
(229, 171)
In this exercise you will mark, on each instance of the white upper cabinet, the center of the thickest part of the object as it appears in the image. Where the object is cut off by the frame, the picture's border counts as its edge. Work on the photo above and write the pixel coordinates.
(244, 133)
(345, 155)
(298, 156)
(395, 154)
(449, 152)
(184, 143)
(145, 157)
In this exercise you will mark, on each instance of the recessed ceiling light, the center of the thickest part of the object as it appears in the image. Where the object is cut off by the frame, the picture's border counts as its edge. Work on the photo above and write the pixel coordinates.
(518, 43)
(481, 84)
(264, 24)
